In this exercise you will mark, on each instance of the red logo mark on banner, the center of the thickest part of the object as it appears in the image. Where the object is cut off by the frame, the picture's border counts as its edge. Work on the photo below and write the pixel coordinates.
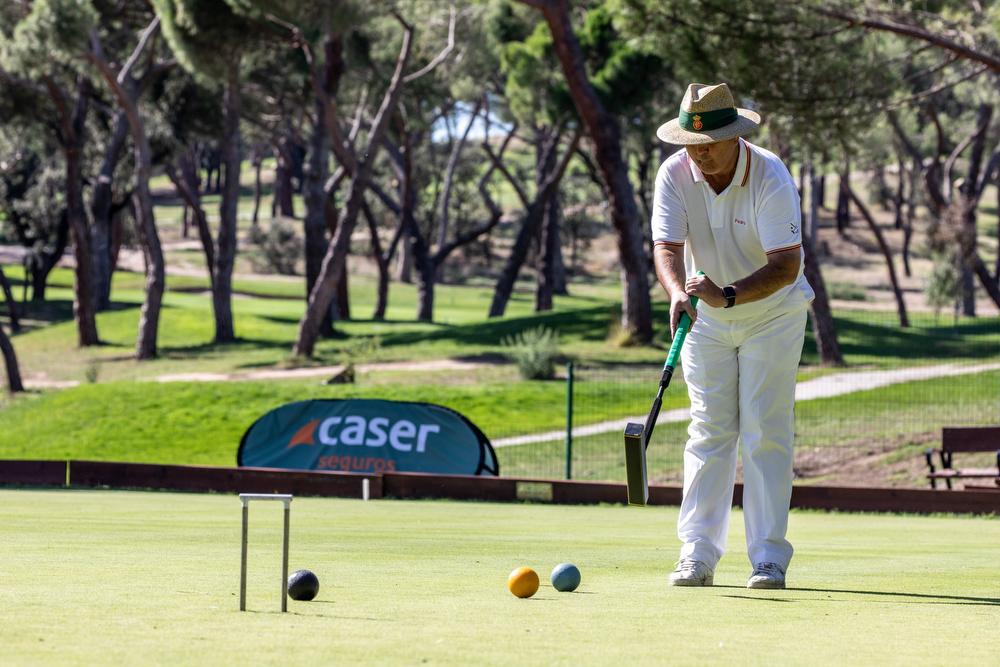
(305, 435)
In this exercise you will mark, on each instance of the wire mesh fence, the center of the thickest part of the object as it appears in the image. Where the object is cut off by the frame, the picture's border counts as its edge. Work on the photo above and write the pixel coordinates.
(867, 424)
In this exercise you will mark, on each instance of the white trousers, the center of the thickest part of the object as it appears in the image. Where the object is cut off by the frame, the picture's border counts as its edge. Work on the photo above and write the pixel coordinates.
(741, 381)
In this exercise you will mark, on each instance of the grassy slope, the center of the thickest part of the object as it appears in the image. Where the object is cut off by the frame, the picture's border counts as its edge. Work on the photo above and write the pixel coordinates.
(896, 414)
(406, 583)
(201, 423)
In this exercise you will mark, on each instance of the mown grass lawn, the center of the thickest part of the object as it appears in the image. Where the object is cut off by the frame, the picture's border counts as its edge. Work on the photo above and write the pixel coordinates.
(101, 577)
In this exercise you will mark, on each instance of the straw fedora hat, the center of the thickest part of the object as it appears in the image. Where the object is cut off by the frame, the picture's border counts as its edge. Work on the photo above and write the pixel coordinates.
(708, 114)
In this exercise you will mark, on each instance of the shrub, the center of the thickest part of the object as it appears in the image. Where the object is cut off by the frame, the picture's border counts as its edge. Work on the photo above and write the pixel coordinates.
(846, 291)
(534, 351)
(279, 246)
(942, 285)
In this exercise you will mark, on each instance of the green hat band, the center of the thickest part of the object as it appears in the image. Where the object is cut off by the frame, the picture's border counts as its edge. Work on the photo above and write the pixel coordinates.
(708, 120)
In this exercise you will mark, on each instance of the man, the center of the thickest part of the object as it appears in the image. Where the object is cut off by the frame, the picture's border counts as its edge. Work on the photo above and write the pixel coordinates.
(730, 210)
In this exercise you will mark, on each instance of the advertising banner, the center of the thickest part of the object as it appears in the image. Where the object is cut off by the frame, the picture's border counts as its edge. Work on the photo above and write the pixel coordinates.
(367, 435)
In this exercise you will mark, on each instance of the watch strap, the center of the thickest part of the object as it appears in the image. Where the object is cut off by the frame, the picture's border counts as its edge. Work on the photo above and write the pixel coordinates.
(730, 293)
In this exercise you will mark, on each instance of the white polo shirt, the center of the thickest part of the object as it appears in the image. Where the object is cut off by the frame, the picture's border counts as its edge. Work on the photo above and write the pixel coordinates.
(729, 235)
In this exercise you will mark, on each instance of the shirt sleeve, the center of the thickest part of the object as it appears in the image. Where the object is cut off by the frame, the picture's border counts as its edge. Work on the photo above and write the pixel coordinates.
(669, 222)
(779, 220)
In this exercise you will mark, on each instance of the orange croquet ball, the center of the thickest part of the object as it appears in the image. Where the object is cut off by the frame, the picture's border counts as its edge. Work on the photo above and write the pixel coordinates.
(523, 582)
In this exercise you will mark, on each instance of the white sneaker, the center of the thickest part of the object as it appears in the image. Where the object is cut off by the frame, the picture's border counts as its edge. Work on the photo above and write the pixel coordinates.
(691, 572)
(767, 575)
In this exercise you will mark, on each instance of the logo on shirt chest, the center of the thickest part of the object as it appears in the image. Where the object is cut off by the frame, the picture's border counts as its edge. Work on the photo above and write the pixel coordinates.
(739, 222)
(793, 228)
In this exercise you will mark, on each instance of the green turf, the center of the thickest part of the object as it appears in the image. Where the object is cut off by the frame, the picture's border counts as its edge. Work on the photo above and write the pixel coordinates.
(267, 313)
(100, 577)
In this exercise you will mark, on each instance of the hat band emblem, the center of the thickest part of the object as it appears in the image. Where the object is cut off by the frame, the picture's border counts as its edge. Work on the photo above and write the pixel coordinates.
(707, 120)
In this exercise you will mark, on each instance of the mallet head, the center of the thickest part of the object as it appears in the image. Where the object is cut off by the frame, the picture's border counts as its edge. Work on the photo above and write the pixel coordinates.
(635, 465)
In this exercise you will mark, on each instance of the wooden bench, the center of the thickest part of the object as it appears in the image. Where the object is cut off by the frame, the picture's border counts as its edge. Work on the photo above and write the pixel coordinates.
(964, 440)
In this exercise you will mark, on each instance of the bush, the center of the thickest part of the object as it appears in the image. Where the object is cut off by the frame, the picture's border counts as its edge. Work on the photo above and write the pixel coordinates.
(846, 291)
(943, 284)
(280, 248)
(534, 351)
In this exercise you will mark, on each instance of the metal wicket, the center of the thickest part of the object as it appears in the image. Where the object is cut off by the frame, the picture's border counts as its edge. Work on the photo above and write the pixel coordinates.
(245, 498)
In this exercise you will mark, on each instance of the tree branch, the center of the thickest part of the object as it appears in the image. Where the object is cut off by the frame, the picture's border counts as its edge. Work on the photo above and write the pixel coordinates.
(915, 32)
(147, 34)
(498, 163)
(440, 57)
(496, 213)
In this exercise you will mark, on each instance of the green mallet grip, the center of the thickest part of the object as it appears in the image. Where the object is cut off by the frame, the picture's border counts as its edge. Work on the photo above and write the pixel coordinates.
(682, 331)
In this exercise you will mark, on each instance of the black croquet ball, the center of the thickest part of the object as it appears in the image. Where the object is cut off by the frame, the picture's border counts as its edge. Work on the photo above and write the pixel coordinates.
(303, 585)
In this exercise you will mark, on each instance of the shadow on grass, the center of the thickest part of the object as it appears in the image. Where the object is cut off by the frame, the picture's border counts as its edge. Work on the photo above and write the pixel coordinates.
(920, 598)
(858, 338)
(35, 315)
(188, 351)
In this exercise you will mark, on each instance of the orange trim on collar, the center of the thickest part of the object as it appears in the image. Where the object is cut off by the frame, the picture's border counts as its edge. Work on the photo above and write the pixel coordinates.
(746, 172)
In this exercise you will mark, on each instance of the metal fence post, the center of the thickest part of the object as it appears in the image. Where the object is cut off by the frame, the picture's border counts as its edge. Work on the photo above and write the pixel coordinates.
(569, 420)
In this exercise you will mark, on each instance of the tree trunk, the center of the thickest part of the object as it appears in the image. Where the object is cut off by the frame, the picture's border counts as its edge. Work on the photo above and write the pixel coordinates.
(966, 285)
(14, 383)
(426, 268)
(185, 180)
(547, 227)
(518, 253)
(985, 279)
(426, 279)
(904, 321)
(881, 189)
(327, 284)
(824, 327)
(73, 126)
(637, 313)
(41, 259)
(101, 212)
(404, 262)
(546, 256)
(812, 225)
(844, 201)
(149, 317)
(126, 90)
(8, 294)
(559, 284)
(453, 159)
(968, 196)
(258, 161)
(283, 203)
(644, 163)
(225, 256)
(336, 256)
(342, 309)
(899, 195)
(381, 263)
(315, 198)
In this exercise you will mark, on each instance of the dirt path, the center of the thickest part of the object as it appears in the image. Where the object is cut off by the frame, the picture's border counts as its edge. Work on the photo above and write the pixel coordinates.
(326, 371)
(822, 387)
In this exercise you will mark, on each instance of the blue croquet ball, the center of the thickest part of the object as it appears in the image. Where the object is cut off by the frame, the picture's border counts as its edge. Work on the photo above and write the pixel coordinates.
(303, 585)
(565, 577)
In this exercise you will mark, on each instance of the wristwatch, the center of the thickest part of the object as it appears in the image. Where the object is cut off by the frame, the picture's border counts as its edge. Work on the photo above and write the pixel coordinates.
(730, 293)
